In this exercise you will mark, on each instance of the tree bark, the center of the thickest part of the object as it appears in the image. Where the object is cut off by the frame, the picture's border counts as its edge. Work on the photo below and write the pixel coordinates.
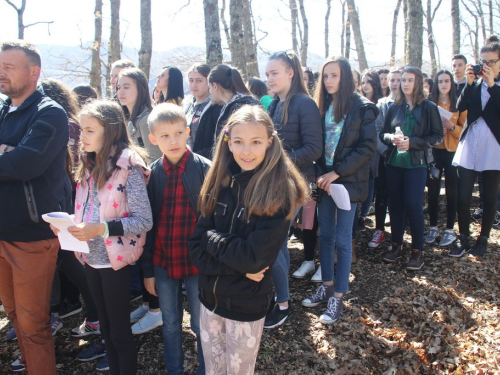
(455, 21)
(114, 41)
(358, 38)
(20, 18)
(146, 38)
(430, 35)
(348, 37)
(342, 36)
(414, 43)
(473, 33)
(490, 8)
(405, 15)
(237, 47)
(95, 71)
(327, 16)
(394, 33)
(252, 67)
(294, 14)
(212, 33)
(226, 27)
(305, 40)
(479, 8)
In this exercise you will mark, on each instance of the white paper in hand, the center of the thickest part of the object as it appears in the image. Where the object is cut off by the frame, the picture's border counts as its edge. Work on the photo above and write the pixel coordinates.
(340, 196)
(62, 221)
(444, 113)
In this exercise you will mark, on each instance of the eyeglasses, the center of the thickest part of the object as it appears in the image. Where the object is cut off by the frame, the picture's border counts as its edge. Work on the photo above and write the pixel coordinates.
(282, 53)
(490, 63)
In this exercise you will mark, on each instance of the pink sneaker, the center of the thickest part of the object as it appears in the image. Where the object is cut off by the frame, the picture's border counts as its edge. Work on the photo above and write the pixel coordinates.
(378, 238)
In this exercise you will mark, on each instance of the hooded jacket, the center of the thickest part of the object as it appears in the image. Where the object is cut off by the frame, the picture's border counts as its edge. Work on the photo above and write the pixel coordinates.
(33, 180)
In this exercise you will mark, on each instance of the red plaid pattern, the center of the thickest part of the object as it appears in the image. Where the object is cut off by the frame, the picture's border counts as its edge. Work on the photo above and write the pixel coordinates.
(176, 224)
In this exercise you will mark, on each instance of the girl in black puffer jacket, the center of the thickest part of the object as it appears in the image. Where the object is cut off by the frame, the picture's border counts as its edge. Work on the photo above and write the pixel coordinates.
(350, 141)
(298, 123)
(246, 202)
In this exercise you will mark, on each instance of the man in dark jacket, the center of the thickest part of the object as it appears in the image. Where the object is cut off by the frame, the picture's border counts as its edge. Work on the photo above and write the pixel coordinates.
(33, 147)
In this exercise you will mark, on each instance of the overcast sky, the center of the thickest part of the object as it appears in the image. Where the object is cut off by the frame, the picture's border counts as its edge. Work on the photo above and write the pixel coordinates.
(172, 27)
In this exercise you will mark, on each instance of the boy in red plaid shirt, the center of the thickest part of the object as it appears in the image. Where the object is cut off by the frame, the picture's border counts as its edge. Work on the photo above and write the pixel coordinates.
(173, 189)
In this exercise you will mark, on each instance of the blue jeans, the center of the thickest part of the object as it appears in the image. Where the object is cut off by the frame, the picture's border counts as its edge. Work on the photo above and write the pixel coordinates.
(406, 192)
(335, 227)
(170, 295)
(280, 270)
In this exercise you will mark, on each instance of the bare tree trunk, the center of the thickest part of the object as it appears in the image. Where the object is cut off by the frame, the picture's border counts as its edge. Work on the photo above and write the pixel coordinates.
(342, 36)
(95, 71)
(294, 14)
(405, 13)
(114, 41)
(479, 8)
(223, 19)
(348, 37)
(20, 21)
(212, 33)
(305, 40)
(490, 8)
(358, 38)
(414, 44)
(430, 18)
(472, 33)
(455, 21)
(146, 38)
(252, 67)
(394, 32)
(237, 48)
(327, 16)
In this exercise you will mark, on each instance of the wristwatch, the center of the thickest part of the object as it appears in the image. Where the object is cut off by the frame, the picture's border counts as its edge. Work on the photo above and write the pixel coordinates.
(452, 129)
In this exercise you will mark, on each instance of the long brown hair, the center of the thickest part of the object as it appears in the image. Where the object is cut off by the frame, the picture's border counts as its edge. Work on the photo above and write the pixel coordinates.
(418, 95)
(276, 184)
(101, 165)
(452, 94)
(228, 78)
(143, 100)
(343, 98)
(297, 85)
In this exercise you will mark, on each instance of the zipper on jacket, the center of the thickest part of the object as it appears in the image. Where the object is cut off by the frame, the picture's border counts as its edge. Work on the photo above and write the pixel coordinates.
(215, 295)
(230, 230)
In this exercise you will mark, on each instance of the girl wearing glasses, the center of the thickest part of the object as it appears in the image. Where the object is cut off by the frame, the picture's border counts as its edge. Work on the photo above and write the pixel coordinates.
(298, 123)
(479, 147)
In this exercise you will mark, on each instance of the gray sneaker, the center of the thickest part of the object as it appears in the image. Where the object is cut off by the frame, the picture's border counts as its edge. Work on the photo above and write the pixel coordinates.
(431, 236)
(448, 238)
(333, 311)
(316, 298)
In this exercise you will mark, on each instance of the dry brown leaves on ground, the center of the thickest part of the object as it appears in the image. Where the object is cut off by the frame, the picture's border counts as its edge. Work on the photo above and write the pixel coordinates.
(443, 319)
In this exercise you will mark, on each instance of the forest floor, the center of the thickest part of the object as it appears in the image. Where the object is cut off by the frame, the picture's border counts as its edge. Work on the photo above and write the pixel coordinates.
(443, 319)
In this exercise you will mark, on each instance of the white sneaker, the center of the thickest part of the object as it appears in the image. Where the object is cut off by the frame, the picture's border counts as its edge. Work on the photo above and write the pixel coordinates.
(147, 323)
(2, 309)
(137, 314)
(305, 269)
(317, 276)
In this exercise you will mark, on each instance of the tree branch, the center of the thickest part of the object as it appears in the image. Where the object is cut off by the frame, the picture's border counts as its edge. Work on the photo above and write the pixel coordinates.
(182, 7)
(35, 23)
(435, 10)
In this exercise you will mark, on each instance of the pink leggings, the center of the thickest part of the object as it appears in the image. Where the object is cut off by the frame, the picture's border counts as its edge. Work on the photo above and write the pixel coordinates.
(229, 346)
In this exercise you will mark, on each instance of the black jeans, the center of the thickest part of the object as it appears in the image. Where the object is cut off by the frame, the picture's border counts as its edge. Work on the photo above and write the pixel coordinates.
(443, 159)
(466, 179)
(75, 272)
(111, 292)
(406, 192)
(381, 196)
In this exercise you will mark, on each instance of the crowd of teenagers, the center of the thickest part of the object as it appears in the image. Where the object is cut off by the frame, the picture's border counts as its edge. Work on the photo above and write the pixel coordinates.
(196, 197)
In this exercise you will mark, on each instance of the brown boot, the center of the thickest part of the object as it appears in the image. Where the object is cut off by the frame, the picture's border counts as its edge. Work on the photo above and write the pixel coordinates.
(354, 260)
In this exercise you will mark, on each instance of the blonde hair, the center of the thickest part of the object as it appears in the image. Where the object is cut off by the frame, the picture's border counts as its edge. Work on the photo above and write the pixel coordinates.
(276, 184)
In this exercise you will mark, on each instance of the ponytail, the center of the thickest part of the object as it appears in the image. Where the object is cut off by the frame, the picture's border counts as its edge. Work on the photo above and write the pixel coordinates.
(228, 78)
(297, 85)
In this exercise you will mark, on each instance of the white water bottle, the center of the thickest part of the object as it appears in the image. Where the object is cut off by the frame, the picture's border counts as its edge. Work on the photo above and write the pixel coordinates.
(399, 135)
